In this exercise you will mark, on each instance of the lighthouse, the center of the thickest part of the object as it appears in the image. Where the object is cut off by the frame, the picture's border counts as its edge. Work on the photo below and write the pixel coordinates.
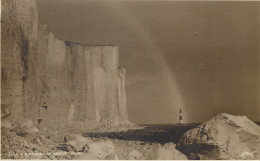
(180, 117)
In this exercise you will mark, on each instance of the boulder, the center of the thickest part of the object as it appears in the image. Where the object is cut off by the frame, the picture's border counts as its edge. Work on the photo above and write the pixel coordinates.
(91, 148)
(5, 112)
(29, 127)
(78, 142)
(102, 149)
(223, 137)
(134, 155)
(165, 152)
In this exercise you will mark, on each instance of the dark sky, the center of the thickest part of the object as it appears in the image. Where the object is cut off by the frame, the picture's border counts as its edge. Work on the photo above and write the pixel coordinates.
(203, 57)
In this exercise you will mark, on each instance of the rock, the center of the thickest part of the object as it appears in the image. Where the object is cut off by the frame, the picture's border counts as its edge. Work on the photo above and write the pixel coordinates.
(101, 149)
(5, 113)
(29, 127)
(77, 141)
(222, 137)
(7, 124)
(134, 155)
(111, 157)
(166, 152)
(86, 156)
(91, 149)
(16, 147)
(66, 147)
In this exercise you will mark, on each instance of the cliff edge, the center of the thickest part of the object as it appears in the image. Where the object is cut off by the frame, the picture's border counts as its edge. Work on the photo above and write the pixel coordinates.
(57, 83)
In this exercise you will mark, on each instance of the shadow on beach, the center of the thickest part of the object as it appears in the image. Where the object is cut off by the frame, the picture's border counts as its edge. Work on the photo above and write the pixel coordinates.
(150, 133)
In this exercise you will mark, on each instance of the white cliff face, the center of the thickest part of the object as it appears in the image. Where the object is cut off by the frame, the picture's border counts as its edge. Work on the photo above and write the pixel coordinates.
(55, 82)
(121, 92)
(19, 27)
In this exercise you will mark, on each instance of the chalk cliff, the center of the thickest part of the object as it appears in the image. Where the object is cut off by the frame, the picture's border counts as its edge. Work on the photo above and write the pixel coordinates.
(57, 83)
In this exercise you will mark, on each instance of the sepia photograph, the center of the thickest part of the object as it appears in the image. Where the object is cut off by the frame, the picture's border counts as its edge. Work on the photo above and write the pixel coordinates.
(130, 80)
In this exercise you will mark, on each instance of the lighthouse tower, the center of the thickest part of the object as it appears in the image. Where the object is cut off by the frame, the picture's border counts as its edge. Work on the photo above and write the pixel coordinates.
(180, 117)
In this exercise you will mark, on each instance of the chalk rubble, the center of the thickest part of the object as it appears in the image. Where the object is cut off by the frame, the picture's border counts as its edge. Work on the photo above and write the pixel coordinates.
(224, 136)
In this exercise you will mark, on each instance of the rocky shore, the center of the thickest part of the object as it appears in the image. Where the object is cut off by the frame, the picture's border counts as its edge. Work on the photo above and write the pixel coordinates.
(222, 137)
